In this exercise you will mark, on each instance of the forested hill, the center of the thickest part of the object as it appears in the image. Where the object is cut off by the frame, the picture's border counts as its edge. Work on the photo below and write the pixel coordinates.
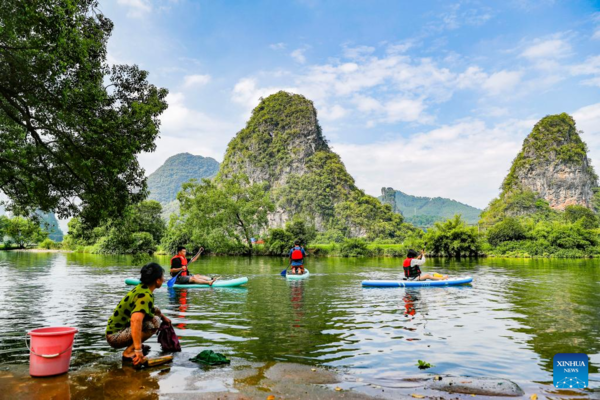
(283, 147)
(166, 181)
(424, 211)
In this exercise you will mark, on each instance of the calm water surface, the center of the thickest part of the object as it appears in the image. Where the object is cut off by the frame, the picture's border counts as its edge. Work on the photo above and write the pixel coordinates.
(509, 323)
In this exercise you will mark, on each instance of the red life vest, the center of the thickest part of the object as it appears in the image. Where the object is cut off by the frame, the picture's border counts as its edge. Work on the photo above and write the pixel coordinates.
(410, 271)
(183, 264)
(297, 254)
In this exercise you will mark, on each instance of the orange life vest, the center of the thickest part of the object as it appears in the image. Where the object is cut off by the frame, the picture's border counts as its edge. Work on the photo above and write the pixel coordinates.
(183, 264)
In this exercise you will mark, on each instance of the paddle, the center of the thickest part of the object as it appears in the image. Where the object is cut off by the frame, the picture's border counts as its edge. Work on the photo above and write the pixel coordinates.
(284, 272)
(174, 279)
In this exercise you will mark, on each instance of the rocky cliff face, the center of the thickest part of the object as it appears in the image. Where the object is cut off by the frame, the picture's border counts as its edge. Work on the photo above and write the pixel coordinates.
(552, 166)
(283, 145)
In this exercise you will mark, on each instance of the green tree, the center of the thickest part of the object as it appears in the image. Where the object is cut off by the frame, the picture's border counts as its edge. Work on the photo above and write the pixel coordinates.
(509, 229)
(589, 220)
(71, 126)
(299, 230)
(138, 231)
(452, 238)
(3, 225)
(224, 213)
(24, 231)
(280, 241)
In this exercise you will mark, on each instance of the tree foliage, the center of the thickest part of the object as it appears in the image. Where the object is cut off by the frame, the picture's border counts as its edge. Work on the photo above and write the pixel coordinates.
(138, 231)
(452, 238)
(24, 232)
(589, 220)
(510, 229)
(224, 214)
(71, 126)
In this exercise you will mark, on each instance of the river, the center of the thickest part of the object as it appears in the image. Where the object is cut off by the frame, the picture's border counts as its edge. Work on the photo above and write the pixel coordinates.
(509, 323)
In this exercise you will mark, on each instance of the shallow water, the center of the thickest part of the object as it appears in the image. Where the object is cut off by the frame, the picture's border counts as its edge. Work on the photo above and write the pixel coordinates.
(508, 324)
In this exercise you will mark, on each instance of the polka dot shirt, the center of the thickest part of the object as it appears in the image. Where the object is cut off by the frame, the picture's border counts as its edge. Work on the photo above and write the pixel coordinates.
(140, 299)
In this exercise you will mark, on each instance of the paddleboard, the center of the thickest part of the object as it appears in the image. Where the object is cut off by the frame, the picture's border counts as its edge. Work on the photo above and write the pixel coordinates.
(449, 282)
(294, 276)
(219, 283)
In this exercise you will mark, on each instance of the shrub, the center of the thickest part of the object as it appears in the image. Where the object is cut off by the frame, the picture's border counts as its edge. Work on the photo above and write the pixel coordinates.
(588, 218)
(507, 230)
(50, 244)
(354, 248)
(279, 241)
(452, 238)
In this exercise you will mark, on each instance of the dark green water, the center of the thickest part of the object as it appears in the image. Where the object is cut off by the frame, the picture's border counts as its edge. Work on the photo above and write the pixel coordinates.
(508, 324)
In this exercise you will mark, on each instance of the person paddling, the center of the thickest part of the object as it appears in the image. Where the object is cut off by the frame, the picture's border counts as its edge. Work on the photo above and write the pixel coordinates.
(136, 318)
(180, 264)
(411, 267)
(297, 255)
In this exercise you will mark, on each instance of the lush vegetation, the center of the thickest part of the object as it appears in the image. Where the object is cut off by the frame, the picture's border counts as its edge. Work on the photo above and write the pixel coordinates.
(568, 234)
(138, 232)
(424, 212)
(20, 232)
(71, 126)
(167, 180)
(222, 216)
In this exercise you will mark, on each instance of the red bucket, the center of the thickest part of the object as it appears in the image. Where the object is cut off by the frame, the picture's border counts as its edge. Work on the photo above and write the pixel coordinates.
(50, 352)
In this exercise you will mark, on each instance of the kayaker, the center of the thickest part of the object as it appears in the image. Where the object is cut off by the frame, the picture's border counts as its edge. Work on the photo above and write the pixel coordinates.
(412, 271)
(136, 318)
(297, 255)
(180, 264)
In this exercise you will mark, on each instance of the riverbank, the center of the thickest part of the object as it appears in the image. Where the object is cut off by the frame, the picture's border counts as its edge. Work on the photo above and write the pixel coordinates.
(107, 378)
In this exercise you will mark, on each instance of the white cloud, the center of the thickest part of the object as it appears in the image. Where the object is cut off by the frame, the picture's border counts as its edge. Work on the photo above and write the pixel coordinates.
(547, 49)
(278, 46)
(332, 113)
(405, 110)
(358, 52)
(248, 94)
(596, 35)
(588, 120)
(401, 47)
(298, 55)
(137, 8)
(195, 80)
(184, 129)
(591, 66)
(502, 81)
(457, 16)
(466, 161)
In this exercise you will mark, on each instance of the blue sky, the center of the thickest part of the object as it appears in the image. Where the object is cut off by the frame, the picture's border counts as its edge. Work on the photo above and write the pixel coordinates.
(433, 98)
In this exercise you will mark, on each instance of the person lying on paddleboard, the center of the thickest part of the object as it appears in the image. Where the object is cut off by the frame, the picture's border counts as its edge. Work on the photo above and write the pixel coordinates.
(180, 264)
(412, 271)
(297, 255)
(135, 318)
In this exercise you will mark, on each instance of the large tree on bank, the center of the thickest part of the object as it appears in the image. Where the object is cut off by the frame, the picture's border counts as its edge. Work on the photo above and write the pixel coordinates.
(70, 125)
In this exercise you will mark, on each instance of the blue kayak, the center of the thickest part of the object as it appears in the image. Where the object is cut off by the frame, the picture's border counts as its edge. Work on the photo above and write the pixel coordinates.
(401, 283)
(219, 283)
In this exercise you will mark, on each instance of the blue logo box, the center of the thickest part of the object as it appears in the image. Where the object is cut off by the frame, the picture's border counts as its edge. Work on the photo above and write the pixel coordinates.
(570, 371)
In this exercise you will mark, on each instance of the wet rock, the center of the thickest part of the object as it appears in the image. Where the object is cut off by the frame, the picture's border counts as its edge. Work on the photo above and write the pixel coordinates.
(477, 386)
